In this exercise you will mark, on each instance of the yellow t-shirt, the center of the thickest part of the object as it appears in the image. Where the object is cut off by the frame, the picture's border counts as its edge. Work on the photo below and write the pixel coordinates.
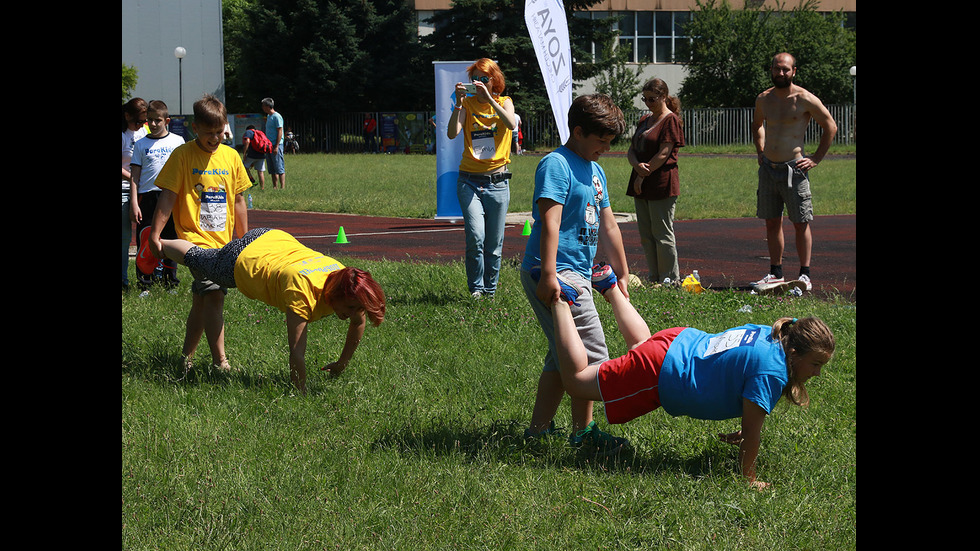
(206, 185)
(486, 139)
(281, 272)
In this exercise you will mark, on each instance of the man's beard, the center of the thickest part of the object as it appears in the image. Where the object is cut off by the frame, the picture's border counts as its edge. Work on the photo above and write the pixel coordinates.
(782, 82)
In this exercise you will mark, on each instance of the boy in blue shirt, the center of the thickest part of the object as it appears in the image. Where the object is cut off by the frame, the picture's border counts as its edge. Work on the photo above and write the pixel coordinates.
(572, 216)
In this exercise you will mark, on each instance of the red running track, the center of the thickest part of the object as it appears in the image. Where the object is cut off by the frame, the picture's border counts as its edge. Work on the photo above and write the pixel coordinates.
(728, 253)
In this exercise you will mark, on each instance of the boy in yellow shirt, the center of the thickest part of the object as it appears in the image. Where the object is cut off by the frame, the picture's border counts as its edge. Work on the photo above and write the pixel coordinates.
(202, 185)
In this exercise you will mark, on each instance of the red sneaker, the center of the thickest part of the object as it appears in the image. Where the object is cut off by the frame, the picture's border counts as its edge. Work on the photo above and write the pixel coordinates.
(145, 261)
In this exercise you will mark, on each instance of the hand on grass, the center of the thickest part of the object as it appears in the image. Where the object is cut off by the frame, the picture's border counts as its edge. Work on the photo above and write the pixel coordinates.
(334, 368)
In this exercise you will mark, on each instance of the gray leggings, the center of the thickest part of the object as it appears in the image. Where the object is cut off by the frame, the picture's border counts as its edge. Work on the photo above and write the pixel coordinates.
(218, 265)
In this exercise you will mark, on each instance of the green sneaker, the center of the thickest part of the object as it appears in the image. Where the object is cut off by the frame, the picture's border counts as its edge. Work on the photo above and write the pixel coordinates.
(604, 442)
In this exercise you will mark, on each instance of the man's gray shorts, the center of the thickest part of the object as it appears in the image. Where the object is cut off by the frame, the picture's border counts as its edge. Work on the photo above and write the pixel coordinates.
(783, 184)
(586, 319)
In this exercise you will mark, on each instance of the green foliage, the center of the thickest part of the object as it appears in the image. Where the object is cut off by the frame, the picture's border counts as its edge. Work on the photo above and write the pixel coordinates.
(322, 57)
(129, 78)
(496, 29)
(621, 80)
(733, 50)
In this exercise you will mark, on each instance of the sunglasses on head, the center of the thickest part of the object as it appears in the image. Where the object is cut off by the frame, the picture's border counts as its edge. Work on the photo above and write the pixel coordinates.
(483, 79)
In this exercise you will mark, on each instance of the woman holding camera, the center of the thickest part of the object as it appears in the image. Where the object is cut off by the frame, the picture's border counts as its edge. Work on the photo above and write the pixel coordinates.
(487, 121)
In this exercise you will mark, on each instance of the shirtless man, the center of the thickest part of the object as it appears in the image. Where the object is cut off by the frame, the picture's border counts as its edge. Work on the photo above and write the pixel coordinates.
(786, 109)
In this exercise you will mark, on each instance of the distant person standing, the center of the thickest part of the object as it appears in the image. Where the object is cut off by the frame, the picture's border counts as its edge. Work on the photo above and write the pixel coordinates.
(779, 124)
(274, 130)
(486, 120)
(370, 131)
(133, 121)
(655, 182)
(252, 158)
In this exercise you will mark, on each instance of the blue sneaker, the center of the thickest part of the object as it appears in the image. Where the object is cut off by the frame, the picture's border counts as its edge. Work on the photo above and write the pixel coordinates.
(568, 291)
(603, 277)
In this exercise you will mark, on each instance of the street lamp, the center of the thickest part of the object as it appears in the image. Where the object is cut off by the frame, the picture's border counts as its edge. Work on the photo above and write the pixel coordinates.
(179, 53)
(854, 73)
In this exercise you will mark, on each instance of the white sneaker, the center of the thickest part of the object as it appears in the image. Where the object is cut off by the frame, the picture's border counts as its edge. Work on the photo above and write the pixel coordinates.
(806, 279)
(768, 279)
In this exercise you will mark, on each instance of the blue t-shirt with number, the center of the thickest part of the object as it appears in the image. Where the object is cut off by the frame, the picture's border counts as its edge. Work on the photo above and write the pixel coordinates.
(579, 186)
(706, 376)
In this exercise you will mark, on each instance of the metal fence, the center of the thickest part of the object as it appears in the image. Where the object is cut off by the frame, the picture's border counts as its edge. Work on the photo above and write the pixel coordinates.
(415, 132)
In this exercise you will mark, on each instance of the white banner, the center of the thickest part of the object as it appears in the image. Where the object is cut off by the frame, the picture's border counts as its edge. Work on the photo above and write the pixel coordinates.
(448, 152)
(548, 28)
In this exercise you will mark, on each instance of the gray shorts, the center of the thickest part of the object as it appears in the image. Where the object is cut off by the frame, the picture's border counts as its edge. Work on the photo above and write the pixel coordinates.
(214, 269)
(586, 319)
(782, 184)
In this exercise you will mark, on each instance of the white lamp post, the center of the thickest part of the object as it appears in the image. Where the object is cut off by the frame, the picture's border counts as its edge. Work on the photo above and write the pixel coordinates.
(179, 53)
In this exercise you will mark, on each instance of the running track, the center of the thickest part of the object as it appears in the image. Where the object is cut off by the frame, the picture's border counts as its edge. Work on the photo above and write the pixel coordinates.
(728, 253)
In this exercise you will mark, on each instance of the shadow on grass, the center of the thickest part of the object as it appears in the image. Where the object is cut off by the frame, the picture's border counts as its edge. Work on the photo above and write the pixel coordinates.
(503, 441)
(167, 368)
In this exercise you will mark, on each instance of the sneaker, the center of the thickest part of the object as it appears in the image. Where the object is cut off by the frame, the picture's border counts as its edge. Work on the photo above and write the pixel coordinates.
(604, 442)
(568, 291)
(603, 277)
(145, 261)
(768, 280)
(806, 280)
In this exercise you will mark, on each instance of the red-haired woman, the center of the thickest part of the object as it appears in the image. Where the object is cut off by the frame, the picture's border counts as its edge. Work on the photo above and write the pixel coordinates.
(272, 266)
(487, 121)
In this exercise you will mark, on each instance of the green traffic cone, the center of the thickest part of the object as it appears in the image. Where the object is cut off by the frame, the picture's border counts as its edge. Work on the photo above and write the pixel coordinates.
(527, 228)
(341, 236)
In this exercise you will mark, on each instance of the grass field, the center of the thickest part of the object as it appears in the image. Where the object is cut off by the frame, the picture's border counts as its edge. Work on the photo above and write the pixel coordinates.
(404, 185)
(418, 445)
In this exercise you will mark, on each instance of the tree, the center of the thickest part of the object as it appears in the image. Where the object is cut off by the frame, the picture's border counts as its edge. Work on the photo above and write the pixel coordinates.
(319, 57)
(620, 82)
(496, 29)
(129, 78)
(733, 49)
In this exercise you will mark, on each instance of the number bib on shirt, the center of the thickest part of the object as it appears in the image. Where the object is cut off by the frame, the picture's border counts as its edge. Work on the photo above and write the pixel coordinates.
(214, 210)
(731, 339)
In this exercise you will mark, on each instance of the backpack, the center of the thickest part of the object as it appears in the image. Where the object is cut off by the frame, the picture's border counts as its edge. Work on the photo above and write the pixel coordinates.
(261, 143)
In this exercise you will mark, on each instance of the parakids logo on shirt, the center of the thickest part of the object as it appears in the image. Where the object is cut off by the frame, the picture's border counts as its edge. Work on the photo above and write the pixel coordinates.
(211, 172)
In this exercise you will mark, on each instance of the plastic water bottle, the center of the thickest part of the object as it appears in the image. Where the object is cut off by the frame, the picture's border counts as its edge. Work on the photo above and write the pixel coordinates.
(697, 277)
(249, 200)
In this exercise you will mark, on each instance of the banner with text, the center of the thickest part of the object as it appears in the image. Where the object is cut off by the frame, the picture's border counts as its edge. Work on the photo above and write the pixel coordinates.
(448, 152)
(548, 28)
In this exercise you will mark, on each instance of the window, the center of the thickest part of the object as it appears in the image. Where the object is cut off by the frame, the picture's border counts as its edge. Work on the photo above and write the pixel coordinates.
(650, 36)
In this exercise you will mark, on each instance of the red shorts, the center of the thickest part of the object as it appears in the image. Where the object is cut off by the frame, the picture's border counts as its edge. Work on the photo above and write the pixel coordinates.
(629, 385)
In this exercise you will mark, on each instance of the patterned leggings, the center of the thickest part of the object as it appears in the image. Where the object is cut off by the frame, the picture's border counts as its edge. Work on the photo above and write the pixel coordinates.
(218, 265)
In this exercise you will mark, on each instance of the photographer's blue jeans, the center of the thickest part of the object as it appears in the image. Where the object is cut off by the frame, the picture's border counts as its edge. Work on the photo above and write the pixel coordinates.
(484, 205)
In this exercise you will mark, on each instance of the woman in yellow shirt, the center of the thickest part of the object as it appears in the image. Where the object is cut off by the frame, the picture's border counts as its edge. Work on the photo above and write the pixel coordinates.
(272, 266)
(486, 119)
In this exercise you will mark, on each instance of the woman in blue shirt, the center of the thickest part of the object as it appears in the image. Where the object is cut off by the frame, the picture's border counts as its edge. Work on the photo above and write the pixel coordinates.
(741, 372)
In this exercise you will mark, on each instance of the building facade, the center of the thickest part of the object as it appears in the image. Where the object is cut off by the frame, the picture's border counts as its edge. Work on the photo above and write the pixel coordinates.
(651, 29)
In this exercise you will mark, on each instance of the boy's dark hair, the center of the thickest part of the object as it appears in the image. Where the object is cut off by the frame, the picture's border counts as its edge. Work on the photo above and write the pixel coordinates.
(210, 112)
(158, 107)
(597, 114)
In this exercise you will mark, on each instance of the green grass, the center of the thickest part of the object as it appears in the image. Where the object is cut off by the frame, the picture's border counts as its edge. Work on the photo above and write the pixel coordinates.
(404, 185)
(418, 444)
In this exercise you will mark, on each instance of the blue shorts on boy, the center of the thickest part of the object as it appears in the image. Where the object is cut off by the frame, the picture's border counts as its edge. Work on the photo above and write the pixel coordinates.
(700, 375)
